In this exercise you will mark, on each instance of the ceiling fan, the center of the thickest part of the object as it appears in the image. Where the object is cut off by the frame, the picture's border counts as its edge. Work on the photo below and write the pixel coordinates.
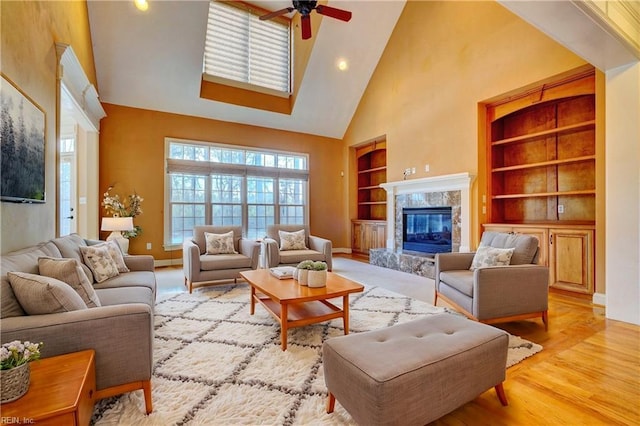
(304, 7)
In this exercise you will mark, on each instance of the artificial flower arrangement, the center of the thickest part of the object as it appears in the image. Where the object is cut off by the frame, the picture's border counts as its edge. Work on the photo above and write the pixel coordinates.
(16, 353)
(129, 207)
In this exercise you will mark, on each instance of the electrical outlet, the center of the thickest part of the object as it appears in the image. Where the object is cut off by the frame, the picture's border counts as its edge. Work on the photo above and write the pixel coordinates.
(560, 208)
(426, 168)
(148, 246)
(413, 170)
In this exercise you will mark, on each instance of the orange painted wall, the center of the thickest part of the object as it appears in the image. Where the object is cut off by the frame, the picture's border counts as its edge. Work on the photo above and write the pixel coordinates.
(30, 30)
(442, 59)
(132, 156)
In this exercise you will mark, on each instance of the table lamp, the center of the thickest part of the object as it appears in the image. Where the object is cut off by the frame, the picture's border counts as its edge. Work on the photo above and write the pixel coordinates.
(117, 225)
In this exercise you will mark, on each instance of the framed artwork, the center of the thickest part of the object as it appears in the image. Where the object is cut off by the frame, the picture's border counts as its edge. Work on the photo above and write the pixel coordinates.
(22, 139)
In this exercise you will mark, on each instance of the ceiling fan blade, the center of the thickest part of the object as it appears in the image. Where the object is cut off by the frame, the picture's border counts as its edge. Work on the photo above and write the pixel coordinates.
(276, 13)
(306, 27)
(343, 15)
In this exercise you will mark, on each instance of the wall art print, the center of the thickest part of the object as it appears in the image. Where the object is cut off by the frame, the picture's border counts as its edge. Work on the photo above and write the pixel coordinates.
(22, 139)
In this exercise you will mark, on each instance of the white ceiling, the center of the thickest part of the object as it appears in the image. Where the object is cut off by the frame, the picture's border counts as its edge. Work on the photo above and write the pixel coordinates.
(153, 60)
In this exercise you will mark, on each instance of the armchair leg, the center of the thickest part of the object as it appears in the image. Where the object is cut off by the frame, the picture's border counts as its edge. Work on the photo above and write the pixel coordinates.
(435, 298)
(331, 403)
(545, 320)
(501, 395)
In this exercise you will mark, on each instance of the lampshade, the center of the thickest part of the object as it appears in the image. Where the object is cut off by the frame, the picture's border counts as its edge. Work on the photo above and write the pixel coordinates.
(117, 224)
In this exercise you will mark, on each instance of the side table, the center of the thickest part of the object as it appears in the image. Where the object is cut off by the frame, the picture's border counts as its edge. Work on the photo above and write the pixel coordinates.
(62, 392)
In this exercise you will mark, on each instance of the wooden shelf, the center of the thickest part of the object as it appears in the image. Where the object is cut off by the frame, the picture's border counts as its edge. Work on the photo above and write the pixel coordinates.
(545, 163)
(375, 169)
(362, 188)
(370, 203)
(564, 129)
(545, 194)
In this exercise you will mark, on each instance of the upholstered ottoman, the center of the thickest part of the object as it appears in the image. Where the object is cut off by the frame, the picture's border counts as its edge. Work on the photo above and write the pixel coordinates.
(416, 372)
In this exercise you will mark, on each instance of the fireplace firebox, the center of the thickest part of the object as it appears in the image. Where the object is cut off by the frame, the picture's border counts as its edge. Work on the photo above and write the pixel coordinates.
(426, 229)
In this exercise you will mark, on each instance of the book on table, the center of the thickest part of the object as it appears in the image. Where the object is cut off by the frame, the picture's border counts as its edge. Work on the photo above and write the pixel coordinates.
(282, 272)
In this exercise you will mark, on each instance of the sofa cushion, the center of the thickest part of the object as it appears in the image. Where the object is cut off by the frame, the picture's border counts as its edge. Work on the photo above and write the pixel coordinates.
(145, 279)
(490, 256)
(214, 262)
(39, 295)
(23, 260)
(292, 240)
(100, 262)
(219, 243)
(290, 257)
(119, 296)
(69, 247)
(461, 280)
(70, 272)
(525, 246)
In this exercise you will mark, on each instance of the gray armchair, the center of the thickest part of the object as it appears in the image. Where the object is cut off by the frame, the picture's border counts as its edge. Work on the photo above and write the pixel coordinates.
(494, 294)
(317, 248)
(202, 268)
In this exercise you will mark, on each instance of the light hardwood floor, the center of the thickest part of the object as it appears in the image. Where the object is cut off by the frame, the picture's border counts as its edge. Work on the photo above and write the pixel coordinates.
(587, 374)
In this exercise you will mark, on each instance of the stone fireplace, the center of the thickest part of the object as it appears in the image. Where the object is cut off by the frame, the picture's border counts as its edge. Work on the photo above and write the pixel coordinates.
(441, 191)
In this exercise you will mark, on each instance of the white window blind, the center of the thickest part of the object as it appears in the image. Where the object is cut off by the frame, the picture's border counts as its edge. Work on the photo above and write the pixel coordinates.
(242, 48)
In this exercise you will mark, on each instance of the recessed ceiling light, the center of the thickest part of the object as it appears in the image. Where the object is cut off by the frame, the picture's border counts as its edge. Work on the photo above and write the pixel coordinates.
(342, 64)
(142, 5)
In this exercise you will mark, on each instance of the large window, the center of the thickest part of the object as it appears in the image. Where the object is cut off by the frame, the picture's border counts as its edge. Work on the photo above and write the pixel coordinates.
(219, 184)
(239, 47)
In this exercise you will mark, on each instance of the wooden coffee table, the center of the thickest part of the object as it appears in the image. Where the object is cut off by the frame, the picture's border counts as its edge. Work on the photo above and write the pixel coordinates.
(295, 305)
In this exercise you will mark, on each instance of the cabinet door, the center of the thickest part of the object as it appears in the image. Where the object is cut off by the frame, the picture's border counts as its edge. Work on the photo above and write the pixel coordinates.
(356, 237)
(380, 236)
(571, 260)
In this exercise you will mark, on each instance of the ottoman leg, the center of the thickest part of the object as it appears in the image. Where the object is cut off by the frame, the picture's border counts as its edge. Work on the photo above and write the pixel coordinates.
(501, 395)
(331, 403)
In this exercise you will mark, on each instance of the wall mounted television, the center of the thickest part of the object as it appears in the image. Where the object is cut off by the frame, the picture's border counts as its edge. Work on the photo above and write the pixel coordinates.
(22, 143)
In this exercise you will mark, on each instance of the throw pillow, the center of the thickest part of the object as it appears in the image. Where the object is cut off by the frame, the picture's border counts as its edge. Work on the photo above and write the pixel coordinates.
(116, 254)
(70, 272)
(41, 295)
(219, 243)
(491, 256)
(100, 262)
(292, 240)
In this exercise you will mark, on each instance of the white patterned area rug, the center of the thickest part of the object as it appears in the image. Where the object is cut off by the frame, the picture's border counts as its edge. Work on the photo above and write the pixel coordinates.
(216, 364)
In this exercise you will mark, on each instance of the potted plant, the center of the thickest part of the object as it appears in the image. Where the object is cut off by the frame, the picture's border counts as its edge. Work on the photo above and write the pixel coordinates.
(318, 274)
(303, 269)
(14, 368)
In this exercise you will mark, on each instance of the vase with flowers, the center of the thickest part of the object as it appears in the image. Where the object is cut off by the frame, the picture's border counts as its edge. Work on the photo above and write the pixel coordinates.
(15, 373)
(130, 206)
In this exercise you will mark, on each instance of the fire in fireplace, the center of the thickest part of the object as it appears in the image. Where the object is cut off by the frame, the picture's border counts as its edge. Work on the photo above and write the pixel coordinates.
(426, 229)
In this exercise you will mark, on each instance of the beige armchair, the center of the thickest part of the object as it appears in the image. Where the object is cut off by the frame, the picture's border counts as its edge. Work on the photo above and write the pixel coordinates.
(202, 268)
(494, 294)
(316, 248)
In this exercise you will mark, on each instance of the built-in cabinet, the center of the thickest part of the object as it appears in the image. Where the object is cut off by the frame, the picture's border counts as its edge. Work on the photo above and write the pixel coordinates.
(369, 228)
(541, 174)
(567, 251)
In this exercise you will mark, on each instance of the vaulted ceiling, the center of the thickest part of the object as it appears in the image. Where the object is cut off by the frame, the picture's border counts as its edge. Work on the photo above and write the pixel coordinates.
(153, 59)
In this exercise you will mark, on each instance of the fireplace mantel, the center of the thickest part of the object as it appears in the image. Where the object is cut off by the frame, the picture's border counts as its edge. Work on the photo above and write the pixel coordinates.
(454, 182)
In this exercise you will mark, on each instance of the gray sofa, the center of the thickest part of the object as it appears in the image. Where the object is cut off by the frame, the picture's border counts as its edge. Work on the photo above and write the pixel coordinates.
(120, 331)
(495, 294)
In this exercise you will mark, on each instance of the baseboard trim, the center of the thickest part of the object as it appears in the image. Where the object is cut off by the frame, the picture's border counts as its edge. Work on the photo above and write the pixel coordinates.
(345, 250)
(599, 299)
(167, 262)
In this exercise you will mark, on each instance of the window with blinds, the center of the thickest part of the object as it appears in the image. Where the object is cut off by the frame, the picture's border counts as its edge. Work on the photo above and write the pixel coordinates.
(241, 48)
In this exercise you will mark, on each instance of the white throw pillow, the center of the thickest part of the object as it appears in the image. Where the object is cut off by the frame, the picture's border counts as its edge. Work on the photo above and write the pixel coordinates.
(292, 240)
(220, 243)
(116, 254)
(491, 256)
(100, 262)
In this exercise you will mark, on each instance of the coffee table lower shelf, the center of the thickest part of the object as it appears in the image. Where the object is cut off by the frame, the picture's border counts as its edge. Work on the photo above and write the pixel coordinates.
(299, 314)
